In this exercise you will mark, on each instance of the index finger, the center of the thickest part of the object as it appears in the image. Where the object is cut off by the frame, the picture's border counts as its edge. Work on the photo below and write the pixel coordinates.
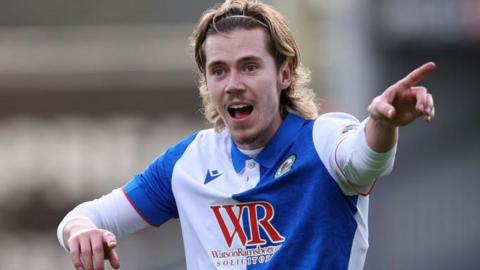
(417, 75)
(113, 258)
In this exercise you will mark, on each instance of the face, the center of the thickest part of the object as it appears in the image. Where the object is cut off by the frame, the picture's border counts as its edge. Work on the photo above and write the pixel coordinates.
(244, 84)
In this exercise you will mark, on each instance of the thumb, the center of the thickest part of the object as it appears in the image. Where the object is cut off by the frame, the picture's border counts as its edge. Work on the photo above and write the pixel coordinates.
(110, 239)
(382, 109)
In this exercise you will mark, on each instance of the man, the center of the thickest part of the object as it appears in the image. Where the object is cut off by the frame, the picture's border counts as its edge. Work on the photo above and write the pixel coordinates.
(272, 186)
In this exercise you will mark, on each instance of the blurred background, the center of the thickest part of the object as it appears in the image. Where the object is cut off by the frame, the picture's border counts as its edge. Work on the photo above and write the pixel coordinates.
(92, 91)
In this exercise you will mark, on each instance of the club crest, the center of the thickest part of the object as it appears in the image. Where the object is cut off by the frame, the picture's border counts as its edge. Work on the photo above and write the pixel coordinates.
(286, 166)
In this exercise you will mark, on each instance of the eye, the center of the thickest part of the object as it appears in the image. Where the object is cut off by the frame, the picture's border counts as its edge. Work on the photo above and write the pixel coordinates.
(218, 71)
(251, 67)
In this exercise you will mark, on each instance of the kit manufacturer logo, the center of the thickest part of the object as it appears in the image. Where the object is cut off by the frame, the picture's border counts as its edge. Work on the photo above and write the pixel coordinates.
(212, 175)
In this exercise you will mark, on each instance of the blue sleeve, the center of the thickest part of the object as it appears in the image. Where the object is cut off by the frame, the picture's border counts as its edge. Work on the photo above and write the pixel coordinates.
(150, 192)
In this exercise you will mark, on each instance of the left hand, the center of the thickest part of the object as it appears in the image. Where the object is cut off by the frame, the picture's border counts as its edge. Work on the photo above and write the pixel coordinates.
(403, 102)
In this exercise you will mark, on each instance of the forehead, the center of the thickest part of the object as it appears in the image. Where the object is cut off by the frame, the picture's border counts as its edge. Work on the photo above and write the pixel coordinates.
(236, 44)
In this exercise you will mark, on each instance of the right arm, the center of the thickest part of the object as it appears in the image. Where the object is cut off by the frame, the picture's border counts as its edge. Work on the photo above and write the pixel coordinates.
(89, 232)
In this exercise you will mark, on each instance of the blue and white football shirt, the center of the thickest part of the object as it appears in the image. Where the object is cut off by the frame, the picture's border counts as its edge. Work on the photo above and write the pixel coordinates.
(290, 207)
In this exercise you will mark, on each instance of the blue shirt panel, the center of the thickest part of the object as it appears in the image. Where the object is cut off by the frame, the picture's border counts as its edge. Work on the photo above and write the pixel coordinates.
(151, 192)
(311, 211)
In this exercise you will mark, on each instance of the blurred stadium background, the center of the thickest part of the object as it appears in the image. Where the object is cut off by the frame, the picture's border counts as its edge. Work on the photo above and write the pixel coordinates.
(91, 91)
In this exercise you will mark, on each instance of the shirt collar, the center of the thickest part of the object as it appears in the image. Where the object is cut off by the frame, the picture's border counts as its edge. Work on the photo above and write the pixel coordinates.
(282, 138)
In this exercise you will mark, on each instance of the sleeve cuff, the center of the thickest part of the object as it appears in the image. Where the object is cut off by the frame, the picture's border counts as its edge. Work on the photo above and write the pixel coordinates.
(374, 160)
(363, 165)
(62, 225)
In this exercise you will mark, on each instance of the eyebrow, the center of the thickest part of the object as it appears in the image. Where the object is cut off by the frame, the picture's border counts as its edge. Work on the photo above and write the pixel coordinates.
(246, 58)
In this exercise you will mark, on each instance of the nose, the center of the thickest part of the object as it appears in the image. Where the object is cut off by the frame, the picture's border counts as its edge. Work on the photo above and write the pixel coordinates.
(235, 83)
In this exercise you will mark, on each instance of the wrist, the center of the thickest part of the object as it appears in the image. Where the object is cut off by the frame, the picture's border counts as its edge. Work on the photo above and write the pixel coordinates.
(74, 226)
(78, 227)
(381, 135)
(381, 123)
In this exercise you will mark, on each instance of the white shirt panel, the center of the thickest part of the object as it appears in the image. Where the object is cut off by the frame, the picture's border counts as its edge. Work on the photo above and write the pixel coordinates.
(193, 195)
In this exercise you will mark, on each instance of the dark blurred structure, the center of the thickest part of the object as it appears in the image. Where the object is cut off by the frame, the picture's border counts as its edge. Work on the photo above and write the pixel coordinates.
(425, 216)
(91, 92)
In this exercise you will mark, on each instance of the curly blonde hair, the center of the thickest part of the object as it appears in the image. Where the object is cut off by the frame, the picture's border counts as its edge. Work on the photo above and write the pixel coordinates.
(245, 14)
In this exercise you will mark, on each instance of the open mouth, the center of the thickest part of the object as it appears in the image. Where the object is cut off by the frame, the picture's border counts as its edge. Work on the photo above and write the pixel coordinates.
(240, 111)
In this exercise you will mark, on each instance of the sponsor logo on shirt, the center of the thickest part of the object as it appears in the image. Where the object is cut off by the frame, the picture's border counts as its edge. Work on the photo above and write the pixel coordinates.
(249, 224)
(286, 166)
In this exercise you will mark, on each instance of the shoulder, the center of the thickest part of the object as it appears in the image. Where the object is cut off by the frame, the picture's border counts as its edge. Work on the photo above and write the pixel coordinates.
(336, 118)
(329, 131)
(335, 123)
(202, 137)
(330, 128)
(160, 170)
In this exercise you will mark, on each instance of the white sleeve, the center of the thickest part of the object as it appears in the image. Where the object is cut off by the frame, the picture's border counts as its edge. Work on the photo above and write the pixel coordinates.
(340, 142)
(112, 212)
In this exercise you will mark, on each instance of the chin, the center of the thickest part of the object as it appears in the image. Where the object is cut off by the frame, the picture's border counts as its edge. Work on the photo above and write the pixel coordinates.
(246, 139)
(243, 138)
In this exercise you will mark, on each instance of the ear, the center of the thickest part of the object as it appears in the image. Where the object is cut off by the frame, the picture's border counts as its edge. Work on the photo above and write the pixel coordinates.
(285, 76)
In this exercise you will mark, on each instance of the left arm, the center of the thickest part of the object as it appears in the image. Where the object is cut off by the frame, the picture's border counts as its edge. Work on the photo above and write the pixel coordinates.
(357, 154)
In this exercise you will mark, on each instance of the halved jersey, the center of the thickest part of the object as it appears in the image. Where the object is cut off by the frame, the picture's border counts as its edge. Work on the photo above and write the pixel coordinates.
(287, 208)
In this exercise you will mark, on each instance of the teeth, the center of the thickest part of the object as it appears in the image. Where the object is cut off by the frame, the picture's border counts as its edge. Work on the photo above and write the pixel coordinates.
(238, 106)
